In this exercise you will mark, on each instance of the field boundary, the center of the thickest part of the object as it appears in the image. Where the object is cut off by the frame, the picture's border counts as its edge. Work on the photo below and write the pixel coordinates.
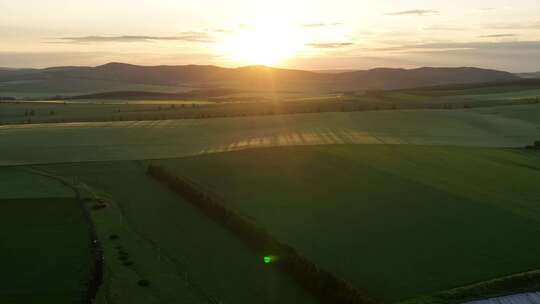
(324, 285)
(95, 279)
(270, 109)
(504, 286)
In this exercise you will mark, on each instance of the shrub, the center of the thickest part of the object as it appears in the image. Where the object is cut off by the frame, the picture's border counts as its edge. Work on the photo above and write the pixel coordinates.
(143, 283)
(98, 206)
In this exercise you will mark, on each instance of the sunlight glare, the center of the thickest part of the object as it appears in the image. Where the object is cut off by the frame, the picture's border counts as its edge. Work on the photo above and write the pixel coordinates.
(264, 43)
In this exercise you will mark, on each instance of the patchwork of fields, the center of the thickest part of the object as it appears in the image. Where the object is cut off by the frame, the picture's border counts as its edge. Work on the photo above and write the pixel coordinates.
(509, 126)
(402, 204)
(399, 221)
(186, 257)
(44, 241)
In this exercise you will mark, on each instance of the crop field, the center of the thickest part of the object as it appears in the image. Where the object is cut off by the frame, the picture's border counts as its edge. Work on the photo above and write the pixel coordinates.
(186, 257)
(507, 95)
(69, 87)
(507, 126)
(18, 183)
(399, 221)
(44, 243)
(477, 89)
(250, 103)
(377, 197)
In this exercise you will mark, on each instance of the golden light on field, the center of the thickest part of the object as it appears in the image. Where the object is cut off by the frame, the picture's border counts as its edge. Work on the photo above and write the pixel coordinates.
(264, 43)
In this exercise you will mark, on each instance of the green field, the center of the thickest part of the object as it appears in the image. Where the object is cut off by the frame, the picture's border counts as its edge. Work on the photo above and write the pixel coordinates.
(44, 241)
(509, 126)
(399, 221)
(47, 88)
(186, 257)
(401, 203)
(23, 183)
(130, 107)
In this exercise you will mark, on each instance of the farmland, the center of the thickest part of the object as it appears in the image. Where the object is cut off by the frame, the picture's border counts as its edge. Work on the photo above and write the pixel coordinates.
(399, 193)
(269, 152)
(506, 126)
(384, 217)
(162, 103)
(186, 257)
(44, 247)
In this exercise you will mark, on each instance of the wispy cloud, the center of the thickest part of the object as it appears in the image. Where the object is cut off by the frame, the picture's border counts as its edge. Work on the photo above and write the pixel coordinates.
(330, 45)
(511, 47)
(442, 28)
(185, 36)
(322, 24)
(417, 12)
(220, 30)
(514, 25)
(498, 36)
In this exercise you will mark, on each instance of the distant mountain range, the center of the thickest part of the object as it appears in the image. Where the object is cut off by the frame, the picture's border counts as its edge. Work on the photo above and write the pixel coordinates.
(244, 78)
(529, 75)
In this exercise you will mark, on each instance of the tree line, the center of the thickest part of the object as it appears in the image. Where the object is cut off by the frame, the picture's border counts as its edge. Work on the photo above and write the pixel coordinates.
(323, 284)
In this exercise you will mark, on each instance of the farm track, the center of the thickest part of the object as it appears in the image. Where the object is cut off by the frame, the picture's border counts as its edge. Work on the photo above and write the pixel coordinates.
(182, 271)
(96, 278)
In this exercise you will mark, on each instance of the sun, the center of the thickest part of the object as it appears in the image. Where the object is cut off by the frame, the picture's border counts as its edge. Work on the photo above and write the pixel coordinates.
(264, 43)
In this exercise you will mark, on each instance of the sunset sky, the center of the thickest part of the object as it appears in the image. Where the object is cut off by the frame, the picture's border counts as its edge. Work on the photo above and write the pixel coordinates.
(306, 34)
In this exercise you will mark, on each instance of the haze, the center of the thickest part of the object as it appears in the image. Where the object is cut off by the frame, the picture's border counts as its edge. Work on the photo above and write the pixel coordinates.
(340, 34)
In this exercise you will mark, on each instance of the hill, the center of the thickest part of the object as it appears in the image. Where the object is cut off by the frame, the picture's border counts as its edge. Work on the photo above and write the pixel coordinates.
(94, 79)
(529, 75)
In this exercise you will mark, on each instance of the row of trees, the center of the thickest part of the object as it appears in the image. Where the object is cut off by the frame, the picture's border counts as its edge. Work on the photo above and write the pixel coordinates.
(324, 285)
(535, 146)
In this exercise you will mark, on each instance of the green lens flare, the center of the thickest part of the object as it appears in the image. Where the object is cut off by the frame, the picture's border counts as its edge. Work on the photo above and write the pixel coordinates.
(268, 259)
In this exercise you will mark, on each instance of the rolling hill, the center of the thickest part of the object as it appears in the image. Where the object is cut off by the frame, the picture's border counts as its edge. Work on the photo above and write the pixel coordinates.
(86, 80)
(530, 75)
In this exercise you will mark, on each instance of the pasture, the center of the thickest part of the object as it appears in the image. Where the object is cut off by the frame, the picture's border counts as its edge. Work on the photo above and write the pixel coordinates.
(399, 221)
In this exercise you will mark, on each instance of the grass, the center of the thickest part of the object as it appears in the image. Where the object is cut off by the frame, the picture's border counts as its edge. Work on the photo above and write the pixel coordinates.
(44, 253)
(70, 87)
(476, 89)
(250, 103)
(507, 95)
(495, 127)
(398, 221)
(185, 257)
(44, 247)
(18, 182)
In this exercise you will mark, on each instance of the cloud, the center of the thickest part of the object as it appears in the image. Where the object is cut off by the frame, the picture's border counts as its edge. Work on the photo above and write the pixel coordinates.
(500, 47)
(330, 45)
(185, 36)
(321, 24)
(514, 25)
(417, 12)
(442, 28)
(498, 36)
(220, 30)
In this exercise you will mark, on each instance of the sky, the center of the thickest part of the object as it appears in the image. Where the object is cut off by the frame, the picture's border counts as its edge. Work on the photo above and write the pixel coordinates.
(302, 34)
